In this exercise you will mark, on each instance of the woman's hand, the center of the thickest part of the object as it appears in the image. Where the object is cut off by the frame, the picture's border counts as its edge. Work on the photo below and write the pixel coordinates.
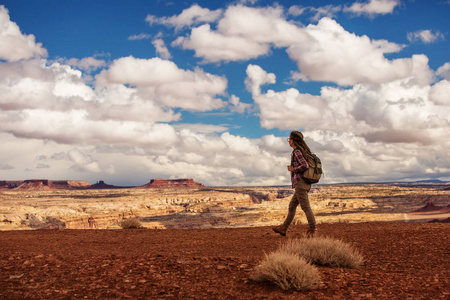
(290, 168)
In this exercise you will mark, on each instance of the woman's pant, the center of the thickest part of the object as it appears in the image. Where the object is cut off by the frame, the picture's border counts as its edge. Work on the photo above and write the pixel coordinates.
(300, 197)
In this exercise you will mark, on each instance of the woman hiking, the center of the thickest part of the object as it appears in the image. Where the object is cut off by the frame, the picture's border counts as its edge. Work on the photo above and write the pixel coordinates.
(301, 188)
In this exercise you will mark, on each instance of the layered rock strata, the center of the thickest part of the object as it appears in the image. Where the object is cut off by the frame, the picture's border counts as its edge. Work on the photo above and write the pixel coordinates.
(211, 207)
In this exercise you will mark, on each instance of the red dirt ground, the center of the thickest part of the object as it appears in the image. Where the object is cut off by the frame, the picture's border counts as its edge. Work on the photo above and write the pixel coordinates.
(403, 261)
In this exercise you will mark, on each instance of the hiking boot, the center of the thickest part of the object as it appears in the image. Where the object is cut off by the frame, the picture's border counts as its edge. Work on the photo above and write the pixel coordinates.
(281, 229)
(310, 232)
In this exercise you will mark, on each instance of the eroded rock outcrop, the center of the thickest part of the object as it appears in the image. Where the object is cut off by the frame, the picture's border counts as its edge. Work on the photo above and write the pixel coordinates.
(173, 183)
(431, 207)
(185, 207)
(259, 197)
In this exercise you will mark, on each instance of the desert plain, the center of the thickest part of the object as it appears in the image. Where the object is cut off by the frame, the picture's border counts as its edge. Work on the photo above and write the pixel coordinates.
(42, 204)
(204, 242)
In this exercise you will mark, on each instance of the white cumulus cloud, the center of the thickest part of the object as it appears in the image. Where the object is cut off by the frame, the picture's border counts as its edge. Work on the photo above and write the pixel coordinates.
(440, 93)
(373, 7)
(141, 36)
(335, 55)
(256, 77)
(444, 71)
(323, 52)
(161, 48)
(216, 47)
(83, 162)
(425, 36)
(390, 122)
(14, 45)
(243, 33)
(191, 16)
(162, 81)
(87, 64)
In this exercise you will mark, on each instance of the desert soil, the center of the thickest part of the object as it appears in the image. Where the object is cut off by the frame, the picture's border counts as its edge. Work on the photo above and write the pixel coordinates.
(402, 261)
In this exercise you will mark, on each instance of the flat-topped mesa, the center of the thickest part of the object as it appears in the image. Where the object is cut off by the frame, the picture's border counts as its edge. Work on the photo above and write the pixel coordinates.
(70, 184)
(173, 183)
(34, 184)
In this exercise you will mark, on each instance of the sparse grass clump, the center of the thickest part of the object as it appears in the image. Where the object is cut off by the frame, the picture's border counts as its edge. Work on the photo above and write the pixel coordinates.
(324, 251)
(288, 271)
(292, 265)
(130, 223)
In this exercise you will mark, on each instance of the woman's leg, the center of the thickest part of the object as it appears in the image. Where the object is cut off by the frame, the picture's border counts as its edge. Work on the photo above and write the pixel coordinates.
(291, 212)
(302, 196)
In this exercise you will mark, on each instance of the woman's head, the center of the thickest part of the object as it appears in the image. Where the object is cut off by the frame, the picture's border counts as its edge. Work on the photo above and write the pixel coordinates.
(297, 138)
(299, 143)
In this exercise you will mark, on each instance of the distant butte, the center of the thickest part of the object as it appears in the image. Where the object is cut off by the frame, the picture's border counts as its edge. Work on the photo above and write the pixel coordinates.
(45, 184)
(102, 185)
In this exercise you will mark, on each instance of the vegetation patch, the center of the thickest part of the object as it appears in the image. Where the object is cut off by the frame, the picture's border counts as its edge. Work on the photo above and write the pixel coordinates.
(130, 223)
(324, 251)
(292, 266)
(288, 271)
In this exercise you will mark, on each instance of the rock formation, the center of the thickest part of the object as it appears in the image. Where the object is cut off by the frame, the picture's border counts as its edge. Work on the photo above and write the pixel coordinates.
(35, 185)
(430, 207)
(45, 184)
(10, 184)
(69, 184)
(177, 204)
(102, 185)
(173, 183)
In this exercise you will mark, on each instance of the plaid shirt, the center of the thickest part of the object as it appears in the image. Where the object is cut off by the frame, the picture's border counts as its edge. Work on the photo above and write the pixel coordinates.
(300, 165)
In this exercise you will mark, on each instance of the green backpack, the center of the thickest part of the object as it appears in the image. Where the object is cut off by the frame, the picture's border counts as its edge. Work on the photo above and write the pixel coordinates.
(314, 172)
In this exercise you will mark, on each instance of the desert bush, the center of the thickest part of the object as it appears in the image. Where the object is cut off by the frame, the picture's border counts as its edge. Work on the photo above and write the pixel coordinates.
(288, 271)
(324, 251)
(130, 223)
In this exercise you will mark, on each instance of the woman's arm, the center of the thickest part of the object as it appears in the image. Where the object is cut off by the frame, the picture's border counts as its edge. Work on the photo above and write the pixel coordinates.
(300, 164)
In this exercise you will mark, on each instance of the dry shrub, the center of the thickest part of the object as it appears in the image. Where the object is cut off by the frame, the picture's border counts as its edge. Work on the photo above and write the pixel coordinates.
(130, 223)
(324, 251)
(288, 271)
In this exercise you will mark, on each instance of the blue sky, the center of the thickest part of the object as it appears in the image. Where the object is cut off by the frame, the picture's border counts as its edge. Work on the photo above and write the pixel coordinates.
(127, 91)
